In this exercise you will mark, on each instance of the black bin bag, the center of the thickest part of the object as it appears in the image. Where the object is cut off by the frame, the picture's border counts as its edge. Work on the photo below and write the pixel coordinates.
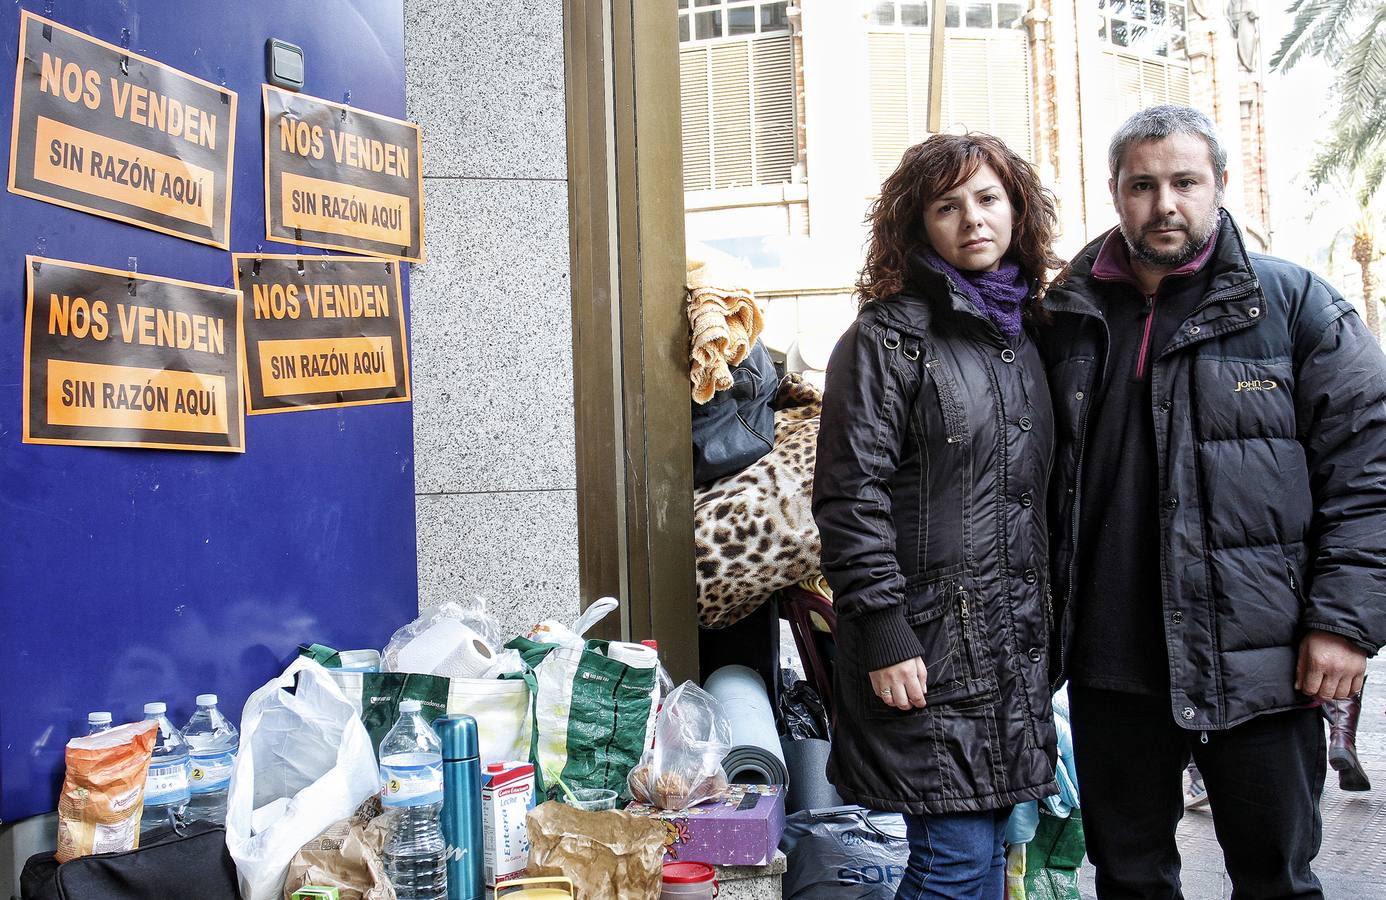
(169, 866)
(844, 853)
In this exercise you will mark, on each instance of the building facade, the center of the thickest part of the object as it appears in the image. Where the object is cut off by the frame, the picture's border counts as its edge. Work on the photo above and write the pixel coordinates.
(794, 113)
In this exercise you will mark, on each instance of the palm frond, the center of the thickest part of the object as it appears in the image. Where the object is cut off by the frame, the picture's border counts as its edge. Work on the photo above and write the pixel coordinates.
(1363, 86)
(1373, 173)
(1320, 28)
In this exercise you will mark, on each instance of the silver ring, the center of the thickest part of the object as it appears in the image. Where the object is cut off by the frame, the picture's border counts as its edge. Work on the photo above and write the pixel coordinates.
(885, 693)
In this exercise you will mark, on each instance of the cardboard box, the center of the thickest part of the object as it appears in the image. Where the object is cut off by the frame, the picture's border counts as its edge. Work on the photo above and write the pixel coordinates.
(507, 794)
(742, 829)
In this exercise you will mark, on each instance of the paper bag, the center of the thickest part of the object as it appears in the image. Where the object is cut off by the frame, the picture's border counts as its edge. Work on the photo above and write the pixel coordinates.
(349, 856)
(608, 855)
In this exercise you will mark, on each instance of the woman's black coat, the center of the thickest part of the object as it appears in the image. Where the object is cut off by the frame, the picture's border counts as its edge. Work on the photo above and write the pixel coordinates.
(934, 451)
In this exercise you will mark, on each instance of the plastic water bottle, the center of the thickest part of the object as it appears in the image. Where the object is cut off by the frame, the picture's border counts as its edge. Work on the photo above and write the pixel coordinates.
(212, 745)
(411, 774)
(166, 786)
(98, 722)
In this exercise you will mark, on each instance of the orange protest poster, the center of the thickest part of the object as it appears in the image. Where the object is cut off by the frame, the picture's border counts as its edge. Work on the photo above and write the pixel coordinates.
(119, 359)
(322, 332)
(341, 178)
(107, 131)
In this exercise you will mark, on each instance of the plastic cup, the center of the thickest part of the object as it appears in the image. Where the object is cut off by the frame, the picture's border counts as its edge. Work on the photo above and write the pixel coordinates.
(591, 799)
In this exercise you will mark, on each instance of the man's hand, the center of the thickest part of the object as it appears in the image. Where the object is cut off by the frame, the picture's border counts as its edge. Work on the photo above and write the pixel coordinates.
(902, 685)
(1330, 666)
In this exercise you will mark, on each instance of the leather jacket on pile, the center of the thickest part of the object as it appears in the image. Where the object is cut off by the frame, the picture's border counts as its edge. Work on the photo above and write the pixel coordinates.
(929, 493)
(1269, 407)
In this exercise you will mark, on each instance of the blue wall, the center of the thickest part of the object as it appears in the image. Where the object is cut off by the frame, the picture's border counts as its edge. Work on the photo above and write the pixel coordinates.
(135, 575)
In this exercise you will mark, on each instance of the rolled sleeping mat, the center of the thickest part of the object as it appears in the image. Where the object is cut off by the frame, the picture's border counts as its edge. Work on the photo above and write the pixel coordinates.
(807, 762)
(755, 757)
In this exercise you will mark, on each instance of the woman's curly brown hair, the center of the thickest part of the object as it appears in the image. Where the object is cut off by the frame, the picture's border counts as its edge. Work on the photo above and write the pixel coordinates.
(928, 170)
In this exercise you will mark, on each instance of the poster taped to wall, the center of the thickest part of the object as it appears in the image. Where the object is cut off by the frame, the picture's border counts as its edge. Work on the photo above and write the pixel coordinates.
(341, 178)
(107, 131)
(119, 359)
(321, 332)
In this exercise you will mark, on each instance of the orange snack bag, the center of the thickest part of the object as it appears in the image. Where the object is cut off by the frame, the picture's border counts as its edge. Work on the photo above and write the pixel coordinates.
(103, 792)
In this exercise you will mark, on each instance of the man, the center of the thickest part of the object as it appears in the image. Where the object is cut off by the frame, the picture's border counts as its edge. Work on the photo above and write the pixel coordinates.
(1219, 540)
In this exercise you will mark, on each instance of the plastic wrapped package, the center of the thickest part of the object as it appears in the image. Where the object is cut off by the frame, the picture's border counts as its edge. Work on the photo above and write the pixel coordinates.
(684, 768)
(452, 640)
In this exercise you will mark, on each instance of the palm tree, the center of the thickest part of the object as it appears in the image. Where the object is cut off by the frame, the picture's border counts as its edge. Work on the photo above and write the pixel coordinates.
(1364, 247)
(1366, 252)
(1351, 36)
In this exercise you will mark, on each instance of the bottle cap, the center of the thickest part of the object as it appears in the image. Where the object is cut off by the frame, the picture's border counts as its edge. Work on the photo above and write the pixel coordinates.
(157, 708)
(651, 643)
(496, 767)
(410, 706)
(206, 699)
(458, 734)
(94, 718)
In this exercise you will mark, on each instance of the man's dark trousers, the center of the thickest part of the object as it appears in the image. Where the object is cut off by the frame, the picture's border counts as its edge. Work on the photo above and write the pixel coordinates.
(1264, 778)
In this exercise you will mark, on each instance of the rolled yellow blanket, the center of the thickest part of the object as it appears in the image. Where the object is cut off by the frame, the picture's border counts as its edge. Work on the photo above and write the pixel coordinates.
(725, 319)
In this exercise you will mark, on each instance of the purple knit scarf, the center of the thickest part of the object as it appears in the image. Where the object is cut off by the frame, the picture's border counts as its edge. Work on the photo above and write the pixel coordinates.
(998, 295)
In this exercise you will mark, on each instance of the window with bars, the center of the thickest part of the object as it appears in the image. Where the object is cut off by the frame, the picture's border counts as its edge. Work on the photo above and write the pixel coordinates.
(1146, 49)
(709, 20)
(737, 99)
(1152, 28)
(1139, 82)
(964, 14)
(987, 87)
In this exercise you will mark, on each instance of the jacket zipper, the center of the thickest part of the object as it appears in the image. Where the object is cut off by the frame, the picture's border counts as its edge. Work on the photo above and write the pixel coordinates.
(1145, 336)
(967, 634)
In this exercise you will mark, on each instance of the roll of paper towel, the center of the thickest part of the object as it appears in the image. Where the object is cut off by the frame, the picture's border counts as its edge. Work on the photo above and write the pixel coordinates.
(637, 656)
(755, 757)
(447, 647)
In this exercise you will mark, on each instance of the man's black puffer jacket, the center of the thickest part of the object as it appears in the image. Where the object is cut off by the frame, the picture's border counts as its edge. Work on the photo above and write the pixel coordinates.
(1269, 407)
(933, 454)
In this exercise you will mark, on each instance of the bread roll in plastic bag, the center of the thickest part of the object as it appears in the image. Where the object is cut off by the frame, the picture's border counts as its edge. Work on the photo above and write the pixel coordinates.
(103, 791)
(684, 768)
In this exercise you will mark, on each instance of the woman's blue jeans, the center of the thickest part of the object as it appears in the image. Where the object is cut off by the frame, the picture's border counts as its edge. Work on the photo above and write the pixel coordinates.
(955, 857)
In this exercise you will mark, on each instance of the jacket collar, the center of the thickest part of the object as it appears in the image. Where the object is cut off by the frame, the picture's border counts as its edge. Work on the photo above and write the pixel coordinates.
(1113, 261)
(1076, 289)
(928, 292)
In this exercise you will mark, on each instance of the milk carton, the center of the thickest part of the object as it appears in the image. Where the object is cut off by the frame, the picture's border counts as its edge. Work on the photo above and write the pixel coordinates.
(507, 793)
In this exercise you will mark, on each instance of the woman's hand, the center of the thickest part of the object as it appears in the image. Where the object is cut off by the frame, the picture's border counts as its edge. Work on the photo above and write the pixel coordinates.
(902, 685)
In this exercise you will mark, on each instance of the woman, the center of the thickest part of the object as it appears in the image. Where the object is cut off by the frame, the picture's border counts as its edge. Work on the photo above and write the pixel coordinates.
(929, 492)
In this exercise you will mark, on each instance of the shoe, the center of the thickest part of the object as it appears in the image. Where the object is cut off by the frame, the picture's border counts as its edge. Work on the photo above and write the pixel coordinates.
(1342, 718)
(1195, 792)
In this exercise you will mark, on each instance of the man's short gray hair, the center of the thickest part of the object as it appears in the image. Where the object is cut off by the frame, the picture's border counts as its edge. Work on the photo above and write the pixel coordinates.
(1158, 122)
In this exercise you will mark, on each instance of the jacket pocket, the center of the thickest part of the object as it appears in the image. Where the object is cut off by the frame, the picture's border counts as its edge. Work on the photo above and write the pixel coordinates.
(1296, 586)
(949, 402)
(951, 629)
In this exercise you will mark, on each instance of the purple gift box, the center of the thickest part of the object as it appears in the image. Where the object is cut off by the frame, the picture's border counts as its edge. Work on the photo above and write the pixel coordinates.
(742, 829)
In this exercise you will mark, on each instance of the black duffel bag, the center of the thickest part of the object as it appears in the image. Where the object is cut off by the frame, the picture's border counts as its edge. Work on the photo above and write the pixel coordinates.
(168, 865)
(737, 426)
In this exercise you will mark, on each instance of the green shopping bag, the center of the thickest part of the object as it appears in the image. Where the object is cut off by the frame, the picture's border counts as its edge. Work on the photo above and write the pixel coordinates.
(381, 693)
(1053, 856)
(592, 713)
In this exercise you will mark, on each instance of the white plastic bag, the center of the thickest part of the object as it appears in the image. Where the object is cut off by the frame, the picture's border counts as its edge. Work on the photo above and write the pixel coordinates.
(453, 640)
(684, 769)
(305, 762)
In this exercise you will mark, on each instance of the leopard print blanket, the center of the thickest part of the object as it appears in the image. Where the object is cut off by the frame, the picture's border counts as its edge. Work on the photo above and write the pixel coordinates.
(754, 531)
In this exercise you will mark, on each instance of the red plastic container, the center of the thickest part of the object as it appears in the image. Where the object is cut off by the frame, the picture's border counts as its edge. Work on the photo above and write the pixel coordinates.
(689, 881)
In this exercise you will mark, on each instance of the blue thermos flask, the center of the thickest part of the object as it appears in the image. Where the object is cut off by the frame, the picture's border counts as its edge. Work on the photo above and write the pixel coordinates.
(462, 807)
